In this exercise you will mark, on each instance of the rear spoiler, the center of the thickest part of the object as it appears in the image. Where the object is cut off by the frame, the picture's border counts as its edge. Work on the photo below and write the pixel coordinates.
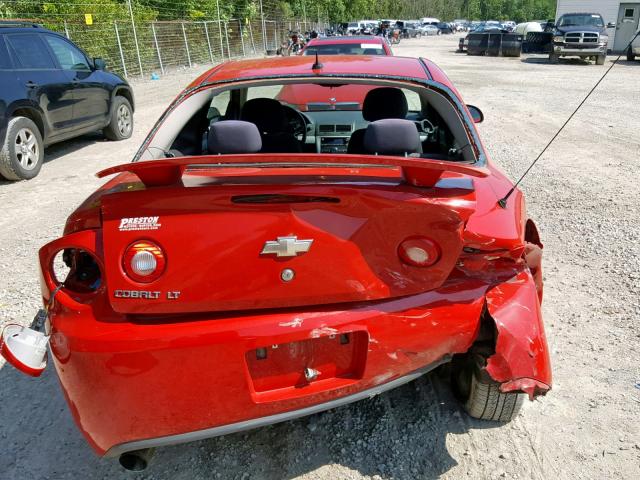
(421, 172)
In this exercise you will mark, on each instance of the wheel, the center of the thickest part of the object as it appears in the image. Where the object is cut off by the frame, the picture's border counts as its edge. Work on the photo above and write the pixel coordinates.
(121, 125)
(554, 58)
(22, 153)
(481, 396)
(600, 59)
(630, 55)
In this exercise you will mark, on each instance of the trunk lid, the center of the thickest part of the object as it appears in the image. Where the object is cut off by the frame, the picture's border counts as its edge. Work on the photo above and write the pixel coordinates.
(213, 238)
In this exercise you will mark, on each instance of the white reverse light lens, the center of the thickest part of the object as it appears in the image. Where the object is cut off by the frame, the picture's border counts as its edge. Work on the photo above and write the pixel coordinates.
(417, 254)
(143, 263)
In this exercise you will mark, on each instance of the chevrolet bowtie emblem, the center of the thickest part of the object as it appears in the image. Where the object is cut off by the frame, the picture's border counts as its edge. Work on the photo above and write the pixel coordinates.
(286, 246)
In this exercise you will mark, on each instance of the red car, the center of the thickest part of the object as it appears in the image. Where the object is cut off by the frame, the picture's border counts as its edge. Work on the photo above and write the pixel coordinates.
(256, 263)
(306, 97)
(357, 45)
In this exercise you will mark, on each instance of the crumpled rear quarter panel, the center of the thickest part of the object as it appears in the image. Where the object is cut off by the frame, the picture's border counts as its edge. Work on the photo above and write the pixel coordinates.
(521, 360)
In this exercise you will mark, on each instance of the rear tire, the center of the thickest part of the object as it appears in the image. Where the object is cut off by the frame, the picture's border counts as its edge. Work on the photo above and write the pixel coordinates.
(600, 59)
(22, 154)
(481, 396)
(121, 125)
(630, 55)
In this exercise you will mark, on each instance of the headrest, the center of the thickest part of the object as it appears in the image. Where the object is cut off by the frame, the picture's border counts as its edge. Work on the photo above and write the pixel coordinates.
(233, 136)
(384, 102)
(266, 113)
(392, 137)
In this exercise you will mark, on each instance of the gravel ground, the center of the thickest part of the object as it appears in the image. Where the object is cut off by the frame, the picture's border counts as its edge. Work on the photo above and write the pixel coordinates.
(585, 198)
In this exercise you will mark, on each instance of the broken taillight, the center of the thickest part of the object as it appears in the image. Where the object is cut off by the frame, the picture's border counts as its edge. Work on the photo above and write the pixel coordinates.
(144, 261)
(419, 251)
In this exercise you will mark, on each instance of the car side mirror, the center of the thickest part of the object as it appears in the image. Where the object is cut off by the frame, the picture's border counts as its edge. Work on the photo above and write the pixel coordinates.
(611, 25)
(99, 64)
(476, 114)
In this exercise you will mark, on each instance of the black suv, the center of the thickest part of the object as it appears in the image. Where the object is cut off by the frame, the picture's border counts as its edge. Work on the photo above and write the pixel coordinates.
(52, 91)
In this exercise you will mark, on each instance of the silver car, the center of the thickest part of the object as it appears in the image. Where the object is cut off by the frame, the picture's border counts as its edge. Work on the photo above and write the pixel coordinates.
(429, 29)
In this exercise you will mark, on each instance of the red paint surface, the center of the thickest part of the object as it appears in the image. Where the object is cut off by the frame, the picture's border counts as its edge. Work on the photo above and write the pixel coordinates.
(521, 360)
(137, 369)
(336, 65)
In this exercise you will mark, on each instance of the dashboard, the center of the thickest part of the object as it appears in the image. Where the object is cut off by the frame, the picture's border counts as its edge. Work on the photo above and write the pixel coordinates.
(330, 131)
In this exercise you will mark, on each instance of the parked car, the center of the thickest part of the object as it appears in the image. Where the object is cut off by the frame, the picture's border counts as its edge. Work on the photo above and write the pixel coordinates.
(409, 29)
(430, 20)
(355, 28)
(367, 268)
(348, 45)
(445, 28)
(52, 91)
(370, 28)
(461, 25)
(429, 29)
(581, 35)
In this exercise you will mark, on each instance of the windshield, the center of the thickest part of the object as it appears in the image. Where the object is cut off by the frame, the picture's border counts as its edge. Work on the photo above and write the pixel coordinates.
(353, 24)
(581, 20)
(346, 49)
(330, 116)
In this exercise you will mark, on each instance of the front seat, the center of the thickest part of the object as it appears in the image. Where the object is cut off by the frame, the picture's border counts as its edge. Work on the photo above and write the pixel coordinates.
(269, 116)
(379, 104)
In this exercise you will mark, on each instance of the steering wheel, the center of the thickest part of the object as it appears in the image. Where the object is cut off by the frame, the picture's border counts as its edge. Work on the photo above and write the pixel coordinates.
(425, 126)
(297, 123)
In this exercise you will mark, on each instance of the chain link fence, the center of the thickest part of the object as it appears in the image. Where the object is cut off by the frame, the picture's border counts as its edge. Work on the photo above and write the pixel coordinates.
(140, 38)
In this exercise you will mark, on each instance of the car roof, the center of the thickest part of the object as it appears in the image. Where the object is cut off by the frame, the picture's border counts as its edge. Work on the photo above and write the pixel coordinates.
(346, 40)
(13, 27)
(333, 65)
(21, 26)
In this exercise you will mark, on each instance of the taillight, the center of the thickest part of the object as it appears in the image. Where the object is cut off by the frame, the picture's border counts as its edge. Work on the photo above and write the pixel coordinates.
(419, 251)
(144, 261)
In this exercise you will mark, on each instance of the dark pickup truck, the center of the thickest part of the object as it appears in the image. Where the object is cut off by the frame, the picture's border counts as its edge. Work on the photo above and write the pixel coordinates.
(581, 35)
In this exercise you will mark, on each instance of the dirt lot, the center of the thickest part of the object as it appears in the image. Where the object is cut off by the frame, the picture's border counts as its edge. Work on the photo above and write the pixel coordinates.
(584, 196)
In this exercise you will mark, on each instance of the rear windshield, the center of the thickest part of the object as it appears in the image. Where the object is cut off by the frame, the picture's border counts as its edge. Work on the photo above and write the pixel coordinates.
(324, 117)
(581, 20)
(346, 49)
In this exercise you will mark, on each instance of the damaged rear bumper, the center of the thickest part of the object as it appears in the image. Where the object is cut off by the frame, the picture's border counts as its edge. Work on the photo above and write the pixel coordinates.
(134, 382)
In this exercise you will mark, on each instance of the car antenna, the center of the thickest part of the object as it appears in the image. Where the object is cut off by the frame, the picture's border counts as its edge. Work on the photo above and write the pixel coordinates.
(503, 201)
(317, 65)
